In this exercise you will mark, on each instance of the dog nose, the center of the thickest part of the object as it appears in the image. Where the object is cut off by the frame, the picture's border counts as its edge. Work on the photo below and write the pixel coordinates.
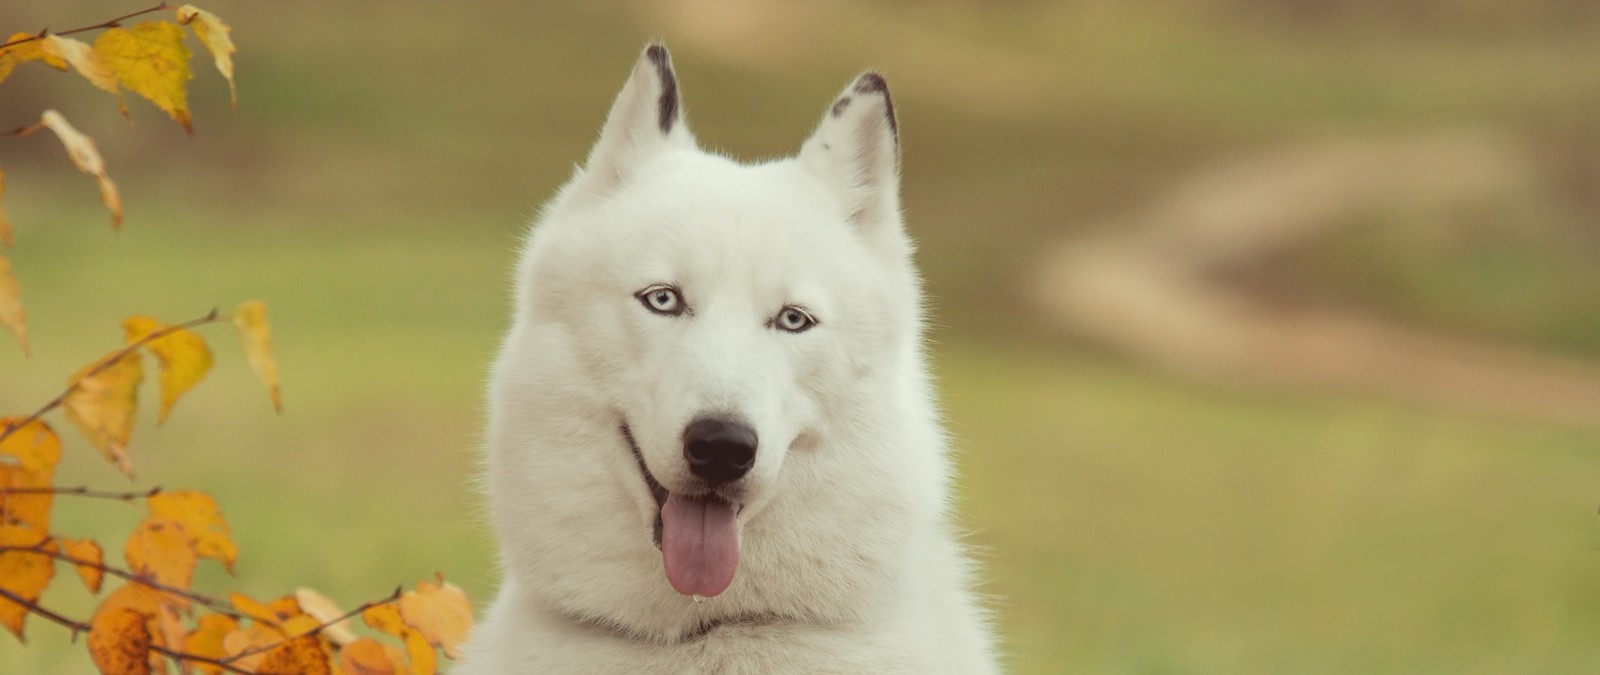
(719, 450)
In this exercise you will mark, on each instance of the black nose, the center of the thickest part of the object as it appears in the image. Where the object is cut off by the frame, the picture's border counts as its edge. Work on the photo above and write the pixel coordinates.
(719, 450)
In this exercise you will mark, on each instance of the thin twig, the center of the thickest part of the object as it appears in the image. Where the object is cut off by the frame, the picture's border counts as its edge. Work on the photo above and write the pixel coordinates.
(75, 626)
(83, 491)
(343, 617)
(80, 627)
(113, 23)
(104, 364)
(214, 604)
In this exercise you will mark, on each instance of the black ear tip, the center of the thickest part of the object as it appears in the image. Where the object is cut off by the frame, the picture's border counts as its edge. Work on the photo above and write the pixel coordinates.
(658, 54)
(871, 82)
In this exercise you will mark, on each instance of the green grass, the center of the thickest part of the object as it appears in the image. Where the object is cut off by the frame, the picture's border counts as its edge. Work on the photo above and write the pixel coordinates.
(371, 185)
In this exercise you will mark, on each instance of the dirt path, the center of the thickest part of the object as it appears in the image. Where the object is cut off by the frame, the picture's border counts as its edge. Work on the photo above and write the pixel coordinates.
(1147, 286)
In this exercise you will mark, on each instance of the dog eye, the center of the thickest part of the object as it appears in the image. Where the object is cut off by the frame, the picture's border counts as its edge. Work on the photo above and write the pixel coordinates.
(793, 319)
(661, 299)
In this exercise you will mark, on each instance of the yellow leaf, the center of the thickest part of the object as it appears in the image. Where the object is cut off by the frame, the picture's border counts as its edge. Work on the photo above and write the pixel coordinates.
(249, 638)
(12, 315)
(272, 614)
(119, 642)
(440, 611)
(22, 573)
(86, 62)
(184, 357)
(386, 618)
(214, 34)
(256, 338)
(206, 640)
(28, 457)
(101, 404)
(23, 52)
(159, 550)
(325, 610)
(201, 520)
(170, 634)
(367, 656)
(151, 60)
(88, 551)
(300, 656)
(87, 158)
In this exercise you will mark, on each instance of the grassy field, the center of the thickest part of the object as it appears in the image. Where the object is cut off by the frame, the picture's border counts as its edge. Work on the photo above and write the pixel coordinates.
(370, 188)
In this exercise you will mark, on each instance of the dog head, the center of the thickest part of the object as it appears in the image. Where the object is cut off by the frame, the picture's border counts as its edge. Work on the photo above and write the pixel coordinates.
(700, 337)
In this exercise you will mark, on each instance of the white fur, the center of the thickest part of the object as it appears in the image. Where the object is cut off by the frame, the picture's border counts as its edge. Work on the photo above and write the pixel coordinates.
(849, 560)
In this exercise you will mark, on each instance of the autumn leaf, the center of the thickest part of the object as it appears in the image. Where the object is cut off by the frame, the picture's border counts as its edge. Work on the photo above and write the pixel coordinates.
(33, 450)
(201, 520)
(119, 642)
(87, 158)
(171, 636)
(31, 50)
(159, 550)
(440, 611)
(215, 35)
(250, 638)
(151, 60)
(325, 610)
(206, 640)
(12, 315)
(86, 62)
(5, 221)
(367, 656)
(184, 357)
(300, 656)
(101, 404)
(88, 551)
(256, 337)
(386, 618)
(24, 574)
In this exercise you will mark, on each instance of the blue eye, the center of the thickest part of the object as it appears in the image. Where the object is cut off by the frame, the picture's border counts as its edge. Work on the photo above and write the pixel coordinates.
(793, 319)
(661, 299)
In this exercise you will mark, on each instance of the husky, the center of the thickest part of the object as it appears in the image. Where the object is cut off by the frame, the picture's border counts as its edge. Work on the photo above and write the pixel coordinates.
(712, 442)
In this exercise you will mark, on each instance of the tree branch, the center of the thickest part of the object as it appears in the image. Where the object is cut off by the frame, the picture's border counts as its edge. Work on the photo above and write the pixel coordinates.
(320, 627)
(75, 626)
(214, 604)
(82, 491)
(104, 364)
(113, 23)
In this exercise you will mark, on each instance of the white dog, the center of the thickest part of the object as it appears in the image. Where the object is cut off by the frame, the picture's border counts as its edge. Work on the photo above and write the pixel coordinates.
(713, 446)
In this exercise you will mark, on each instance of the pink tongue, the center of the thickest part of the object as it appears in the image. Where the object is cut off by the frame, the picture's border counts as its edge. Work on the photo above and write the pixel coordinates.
(699, 544)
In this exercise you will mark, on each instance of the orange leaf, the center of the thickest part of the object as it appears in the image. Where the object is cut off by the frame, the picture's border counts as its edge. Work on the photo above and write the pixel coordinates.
(441, 612)
(28, 460)
(250, 638)
(367, 656)
(184, 357)
(171, 636)
(386, 618)
(32, 50)
(325, 610)
(12, 315)
(86, 157)
(102, 403)
(83, 59)
(300, 656)
(201, 520)
(24, 574)
(160, 550)
(119, 642)
(256, 338)
(214, 34)
(88, 551)
(206, 640)
(150, 59)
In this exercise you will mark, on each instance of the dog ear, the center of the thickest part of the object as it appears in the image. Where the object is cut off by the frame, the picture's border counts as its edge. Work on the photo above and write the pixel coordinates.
(856, 149)
(646, 118)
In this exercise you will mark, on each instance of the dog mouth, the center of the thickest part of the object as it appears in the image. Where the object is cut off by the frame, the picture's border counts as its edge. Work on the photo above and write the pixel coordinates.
(697, 534)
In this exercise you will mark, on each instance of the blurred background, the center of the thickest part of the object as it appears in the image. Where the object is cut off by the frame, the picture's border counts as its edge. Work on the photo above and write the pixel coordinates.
(1267, 329)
